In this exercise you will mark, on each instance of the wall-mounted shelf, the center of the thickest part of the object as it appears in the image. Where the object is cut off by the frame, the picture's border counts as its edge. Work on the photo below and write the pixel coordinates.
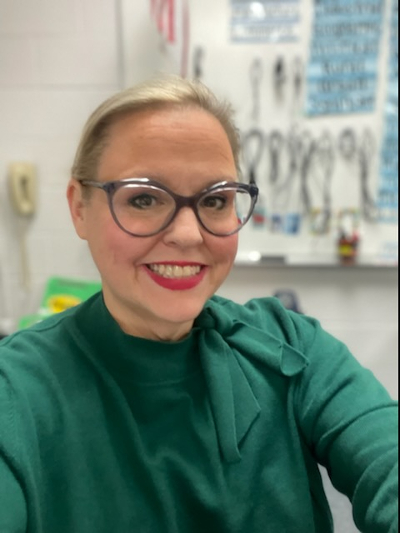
(256, 259)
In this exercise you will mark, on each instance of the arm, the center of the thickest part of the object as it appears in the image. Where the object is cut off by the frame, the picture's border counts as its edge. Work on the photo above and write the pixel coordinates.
(350, 425)
(13, 509)
(13, 516)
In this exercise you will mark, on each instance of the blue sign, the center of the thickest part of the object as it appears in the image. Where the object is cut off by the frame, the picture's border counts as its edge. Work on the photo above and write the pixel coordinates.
(265, 21)
(343, 64)
(388, 187)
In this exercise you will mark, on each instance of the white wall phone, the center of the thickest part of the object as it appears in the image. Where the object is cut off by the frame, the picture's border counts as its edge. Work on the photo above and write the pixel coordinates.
(22, 183)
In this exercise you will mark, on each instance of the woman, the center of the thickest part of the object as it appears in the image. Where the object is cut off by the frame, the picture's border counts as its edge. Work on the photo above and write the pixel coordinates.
(156, 406)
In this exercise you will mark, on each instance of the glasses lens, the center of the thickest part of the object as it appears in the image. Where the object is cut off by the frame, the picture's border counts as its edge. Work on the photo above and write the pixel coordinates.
(142, 209)
(224, 211)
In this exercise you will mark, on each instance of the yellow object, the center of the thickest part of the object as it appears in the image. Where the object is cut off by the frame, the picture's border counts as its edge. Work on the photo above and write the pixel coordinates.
(59, 303)
(60, 294)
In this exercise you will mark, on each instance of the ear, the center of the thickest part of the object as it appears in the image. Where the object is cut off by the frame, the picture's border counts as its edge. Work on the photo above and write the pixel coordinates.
(77, 207)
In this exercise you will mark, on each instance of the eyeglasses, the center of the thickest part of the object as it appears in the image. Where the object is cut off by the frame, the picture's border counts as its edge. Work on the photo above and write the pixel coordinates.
(142, 207)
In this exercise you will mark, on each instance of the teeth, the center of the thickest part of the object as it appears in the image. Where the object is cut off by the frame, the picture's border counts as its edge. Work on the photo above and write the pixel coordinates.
(175, 271)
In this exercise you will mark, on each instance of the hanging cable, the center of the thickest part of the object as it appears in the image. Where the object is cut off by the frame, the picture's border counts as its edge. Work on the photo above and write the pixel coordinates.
(324, 157)
(198, 57)
(275, 143)
(252, 151)
(365, 154)
(283, 190)
(255, 81)
(308, 148)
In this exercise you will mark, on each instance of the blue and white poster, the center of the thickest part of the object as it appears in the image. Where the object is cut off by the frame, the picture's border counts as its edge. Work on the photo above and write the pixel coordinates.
(389, 181)
(343, 64)
(265, 21)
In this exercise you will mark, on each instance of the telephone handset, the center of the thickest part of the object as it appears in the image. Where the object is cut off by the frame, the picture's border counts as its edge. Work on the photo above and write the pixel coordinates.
(22, 184)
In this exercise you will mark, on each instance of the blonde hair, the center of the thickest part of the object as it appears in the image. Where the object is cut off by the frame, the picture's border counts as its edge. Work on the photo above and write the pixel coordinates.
(160, 92)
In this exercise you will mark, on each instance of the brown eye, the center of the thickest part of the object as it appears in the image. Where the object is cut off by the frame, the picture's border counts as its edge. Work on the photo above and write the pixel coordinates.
(142, 201)
(216, 202)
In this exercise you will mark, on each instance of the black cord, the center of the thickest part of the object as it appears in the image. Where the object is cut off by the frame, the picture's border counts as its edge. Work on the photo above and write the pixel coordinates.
(323, 154)
(366, 151)
(308, 150)
(198, 57)
(275, 143)
(294, 149)
(252, 150)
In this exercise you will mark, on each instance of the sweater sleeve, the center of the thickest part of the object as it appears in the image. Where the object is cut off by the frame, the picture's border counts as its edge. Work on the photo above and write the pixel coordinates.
(350, 424)
(13, 515)
(13, 509)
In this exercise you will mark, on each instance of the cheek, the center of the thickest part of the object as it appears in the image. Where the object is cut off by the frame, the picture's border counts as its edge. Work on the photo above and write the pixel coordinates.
(108, 244)
(104, 239)
(116, 248)
(225, 249)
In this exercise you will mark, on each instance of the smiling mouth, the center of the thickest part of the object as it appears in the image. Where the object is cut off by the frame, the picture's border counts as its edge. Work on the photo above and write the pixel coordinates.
(175, 271)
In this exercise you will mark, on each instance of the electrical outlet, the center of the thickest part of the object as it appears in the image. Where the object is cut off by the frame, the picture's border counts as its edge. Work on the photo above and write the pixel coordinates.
(22, 185)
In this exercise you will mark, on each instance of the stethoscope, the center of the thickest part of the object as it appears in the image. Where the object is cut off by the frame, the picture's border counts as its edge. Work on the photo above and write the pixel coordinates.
(252, 151)
(322, 156)
(275, 144)
(282, 190)
(365, 155)
(364, 152)
(252, 144)
(308, 149)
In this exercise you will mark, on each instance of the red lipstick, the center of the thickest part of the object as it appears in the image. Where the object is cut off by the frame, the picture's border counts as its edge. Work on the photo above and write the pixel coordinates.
(177, 284)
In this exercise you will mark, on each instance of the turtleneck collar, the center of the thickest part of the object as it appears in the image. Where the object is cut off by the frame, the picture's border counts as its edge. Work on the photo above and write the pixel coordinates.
(142, 361)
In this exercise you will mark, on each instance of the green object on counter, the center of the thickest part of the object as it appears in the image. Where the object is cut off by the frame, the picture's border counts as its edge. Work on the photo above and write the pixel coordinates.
(29, 320)
(60, 294)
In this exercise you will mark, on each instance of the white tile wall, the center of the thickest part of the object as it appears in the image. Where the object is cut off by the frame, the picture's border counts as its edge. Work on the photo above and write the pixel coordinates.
(35, 17)
(58, 60)
(77, 60)
(18, 61)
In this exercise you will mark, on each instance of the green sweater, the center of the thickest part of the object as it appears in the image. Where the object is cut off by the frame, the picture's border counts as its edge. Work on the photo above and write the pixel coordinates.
(102, 432)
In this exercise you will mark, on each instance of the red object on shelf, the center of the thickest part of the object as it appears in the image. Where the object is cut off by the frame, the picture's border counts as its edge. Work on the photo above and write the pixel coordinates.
(348, 249)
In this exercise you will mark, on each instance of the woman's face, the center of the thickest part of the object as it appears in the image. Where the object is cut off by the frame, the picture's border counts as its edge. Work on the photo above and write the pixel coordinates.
(187, 150)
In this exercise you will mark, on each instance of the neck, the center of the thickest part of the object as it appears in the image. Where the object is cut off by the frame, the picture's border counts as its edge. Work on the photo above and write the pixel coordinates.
(136, 325)
(160, 332)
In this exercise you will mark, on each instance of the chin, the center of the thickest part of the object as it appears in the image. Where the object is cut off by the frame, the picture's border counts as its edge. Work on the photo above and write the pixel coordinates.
(180, 312)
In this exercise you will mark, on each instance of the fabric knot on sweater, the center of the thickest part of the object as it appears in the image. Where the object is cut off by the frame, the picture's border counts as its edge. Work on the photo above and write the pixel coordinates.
(211, 320)
(222, 343)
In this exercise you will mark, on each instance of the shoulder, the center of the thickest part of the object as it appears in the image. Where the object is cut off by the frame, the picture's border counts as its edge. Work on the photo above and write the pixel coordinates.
(30, 358)
(268, 314)
(38, 338)
(41, 367)
(48, 330)
(291, 342)
(256, 308)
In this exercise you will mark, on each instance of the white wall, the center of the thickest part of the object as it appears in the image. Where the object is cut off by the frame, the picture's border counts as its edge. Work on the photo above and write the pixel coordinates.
(58, 60)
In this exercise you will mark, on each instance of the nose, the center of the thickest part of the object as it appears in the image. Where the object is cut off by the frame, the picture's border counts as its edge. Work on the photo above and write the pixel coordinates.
(184, 230)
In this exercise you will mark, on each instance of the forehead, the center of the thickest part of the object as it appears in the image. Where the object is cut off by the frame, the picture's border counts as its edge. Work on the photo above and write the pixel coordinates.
(168, 141)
